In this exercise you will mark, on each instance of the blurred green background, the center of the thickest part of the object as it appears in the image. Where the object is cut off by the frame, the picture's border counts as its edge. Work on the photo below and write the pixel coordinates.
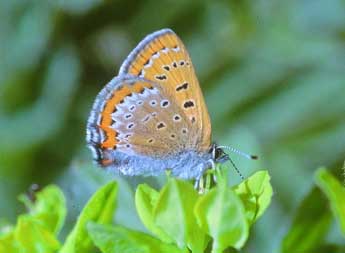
(272, 72)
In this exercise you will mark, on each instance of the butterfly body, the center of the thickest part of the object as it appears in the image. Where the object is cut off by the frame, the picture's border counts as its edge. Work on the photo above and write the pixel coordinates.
(186, 164)
(152, 116)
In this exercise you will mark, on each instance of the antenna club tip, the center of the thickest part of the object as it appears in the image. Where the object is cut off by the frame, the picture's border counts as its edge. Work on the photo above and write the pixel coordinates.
(254, 157)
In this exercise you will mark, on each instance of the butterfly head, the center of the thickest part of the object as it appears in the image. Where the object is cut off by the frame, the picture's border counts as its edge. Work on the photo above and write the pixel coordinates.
(218, 154)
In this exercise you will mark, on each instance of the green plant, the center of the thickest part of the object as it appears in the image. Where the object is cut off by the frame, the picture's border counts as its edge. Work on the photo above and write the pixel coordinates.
(177, 217)
(312, 222)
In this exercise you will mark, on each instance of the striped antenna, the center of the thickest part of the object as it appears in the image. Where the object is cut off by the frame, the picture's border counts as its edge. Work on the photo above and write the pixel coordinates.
(236, 151)
(237, 170)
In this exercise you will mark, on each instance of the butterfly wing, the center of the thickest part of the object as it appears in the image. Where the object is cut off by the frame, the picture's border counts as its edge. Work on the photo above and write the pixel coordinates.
(162, 58)
(136, 117)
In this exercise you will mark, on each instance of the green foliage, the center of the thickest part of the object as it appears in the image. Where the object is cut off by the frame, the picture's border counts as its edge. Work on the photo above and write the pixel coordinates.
(310, 226)
(34, 237)
(100, 208)
(256, 193)
(145, 201)
(312, 222)
(221, 214)
(335, 193)
(36, 230)
(117, 239)
(179, 218)
(218, 217)
(49, 207)
(173, 213)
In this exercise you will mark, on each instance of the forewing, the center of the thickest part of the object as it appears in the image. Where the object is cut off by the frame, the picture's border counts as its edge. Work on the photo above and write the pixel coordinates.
(162, 58)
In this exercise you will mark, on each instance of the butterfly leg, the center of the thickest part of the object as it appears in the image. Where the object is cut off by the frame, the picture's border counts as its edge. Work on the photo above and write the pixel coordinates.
(213, 170)
(206, 180)
(199, 182)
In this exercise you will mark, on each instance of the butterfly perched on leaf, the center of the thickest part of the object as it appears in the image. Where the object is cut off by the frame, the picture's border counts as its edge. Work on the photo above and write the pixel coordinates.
(152, 116)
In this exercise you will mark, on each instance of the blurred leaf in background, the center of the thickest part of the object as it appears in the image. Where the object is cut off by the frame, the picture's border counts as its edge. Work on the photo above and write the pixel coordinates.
(272, 73)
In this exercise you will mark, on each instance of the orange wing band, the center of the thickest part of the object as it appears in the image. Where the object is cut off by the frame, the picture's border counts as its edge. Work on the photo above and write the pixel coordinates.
(117, 97)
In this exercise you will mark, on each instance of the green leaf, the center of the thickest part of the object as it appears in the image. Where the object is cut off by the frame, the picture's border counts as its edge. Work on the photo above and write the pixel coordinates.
(8, 244)
(49, 207)
(100, 208)
(310, 226)
(146, 199)
(174, 215)
(32, 236)
(117, 239)
(335, 193)
(255, 193)
(221, 214)
(36, 231)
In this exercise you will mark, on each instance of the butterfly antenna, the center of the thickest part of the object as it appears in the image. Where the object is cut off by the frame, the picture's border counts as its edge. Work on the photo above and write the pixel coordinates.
(237, 170)
(236, 151)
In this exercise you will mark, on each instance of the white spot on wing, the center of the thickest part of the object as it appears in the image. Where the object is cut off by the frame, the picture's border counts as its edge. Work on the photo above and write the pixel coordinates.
(156, 55)
(176, 49)
(99, 119)
(149, 64)
(165, 50)
(116, 125)
(102, 135)
(142, 74)
(145, 94)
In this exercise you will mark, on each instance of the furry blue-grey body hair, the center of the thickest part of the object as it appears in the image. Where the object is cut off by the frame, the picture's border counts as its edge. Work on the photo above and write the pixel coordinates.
(186, 165)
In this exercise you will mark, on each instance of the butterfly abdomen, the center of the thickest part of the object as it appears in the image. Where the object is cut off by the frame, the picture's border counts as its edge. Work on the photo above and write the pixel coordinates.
(186, 165)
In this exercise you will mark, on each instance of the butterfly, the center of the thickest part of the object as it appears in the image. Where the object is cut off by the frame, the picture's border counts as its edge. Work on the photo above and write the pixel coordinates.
(152, 117)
